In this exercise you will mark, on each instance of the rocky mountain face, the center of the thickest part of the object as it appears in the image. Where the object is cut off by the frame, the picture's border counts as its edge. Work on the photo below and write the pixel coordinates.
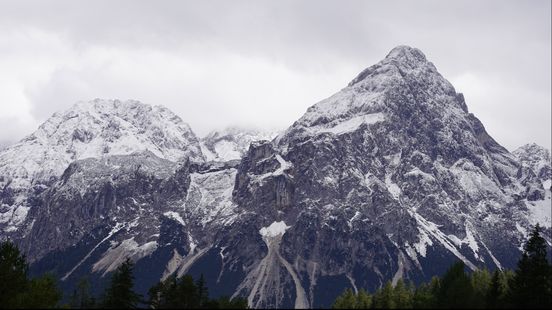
(231, 143)
(537, 159)
(87, 130)
(389, 178)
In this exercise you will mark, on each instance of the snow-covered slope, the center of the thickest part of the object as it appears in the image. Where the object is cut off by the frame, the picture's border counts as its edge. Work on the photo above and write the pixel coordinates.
(4, 145)
(231, 143)
(537, 158)
(87, 130)
(536, 161)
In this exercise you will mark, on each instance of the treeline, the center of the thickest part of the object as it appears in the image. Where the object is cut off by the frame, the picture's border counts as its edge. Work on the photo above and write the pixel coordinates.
(17, 291)
(172, 293)
(529, 286)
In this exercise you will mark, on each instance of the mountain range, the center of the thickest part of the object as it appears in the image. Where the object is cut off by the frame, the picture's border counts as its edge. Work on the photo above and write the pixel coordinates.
(391, 177)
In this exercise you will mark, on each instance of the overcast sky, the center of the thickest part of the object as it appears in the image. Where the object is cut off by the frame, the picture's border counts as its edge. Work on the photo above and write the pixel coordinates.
(263, 63)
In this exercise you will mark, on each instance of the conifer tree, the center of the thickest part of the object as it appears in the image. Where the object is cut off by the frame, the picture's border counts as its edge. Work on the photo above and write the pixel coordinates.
(188, 293)
(41, 293)
(183, 293)
(384, 298)
(13, 274)
(81, 298)
(424, 295)
(345, 301)
(363, 300)
(531, 285)
(164, 295)
(155, 296)
(202, 291)
(498, 289)
(402, 295)
(16, 290)
(120, 293)
(455, 288)
(481, 282)
(226, 303)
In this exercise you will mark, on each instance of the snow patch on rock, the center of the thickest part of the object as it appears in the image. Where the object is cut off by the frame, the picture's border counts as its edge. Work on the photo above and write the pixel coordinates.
(231, 143)
(274, 229)
(175, 216)
(210, 196)
(540, 211)
(351, 124)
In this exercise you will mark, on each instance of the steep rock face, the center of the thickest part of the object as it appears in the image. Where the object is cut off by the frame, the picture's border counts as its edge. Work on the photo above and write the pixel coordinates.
(231, 143)
(116, 191)
(131, 191)
(536, 161)
(87, 130)
(163, 215)
(537, 158)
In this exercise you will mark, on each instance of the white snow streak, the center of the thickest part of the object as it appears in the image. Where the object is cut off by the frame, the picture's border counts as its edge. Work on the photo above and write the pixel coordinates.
(284, 165)
(433, 230)
(541, 211)
(352, 124)
(175, 216)
(115, 229)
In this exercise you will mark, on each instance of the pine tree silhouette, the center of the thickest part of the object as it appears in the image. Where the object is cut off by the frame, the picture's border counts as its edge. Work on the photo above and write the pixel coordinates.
(531, 287)
(120, 294)
(13, 274)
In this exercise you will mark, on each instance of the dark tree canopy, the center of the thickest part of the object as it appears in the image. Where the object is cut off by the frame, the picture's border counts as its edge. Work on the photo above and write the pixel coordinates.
(183, 293)
(13, 274)
(16, 290)
(456, 289)
(120, 293)
(531, 286)
(81, 298)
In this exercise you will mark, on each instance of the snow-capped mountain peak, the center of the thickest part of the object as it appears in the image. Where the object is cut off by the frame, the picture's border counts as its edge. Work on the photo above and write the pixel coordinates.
(374, 94)
(88, 130)
(400, 60)
(406, 52)
(97, 127)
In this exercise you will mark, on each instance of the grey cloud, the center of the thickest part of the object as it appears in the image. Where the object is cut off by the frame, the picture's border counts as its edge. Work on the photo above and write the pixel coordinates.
(507, 41)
